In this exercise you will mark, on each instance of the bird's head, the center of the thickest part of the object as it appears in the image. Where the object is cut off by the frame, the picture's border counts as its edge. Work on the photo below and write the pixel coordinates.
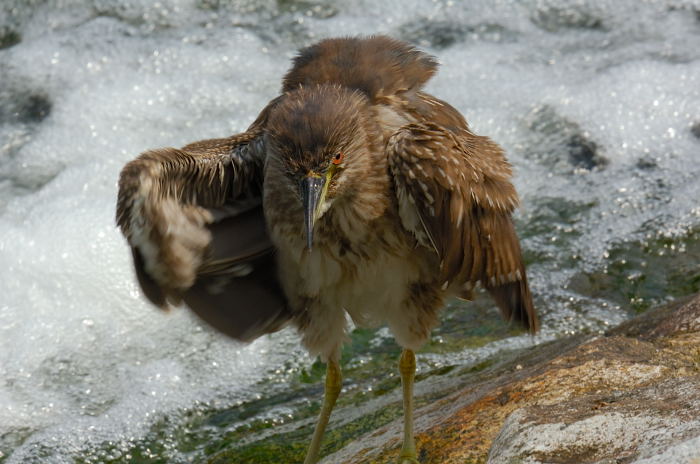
(319, 142)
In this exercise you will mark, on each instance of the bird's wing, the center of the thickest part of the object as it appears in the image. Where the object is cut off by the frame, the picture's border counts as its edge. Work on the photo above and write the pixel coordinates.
(454, 194)
(193, 218)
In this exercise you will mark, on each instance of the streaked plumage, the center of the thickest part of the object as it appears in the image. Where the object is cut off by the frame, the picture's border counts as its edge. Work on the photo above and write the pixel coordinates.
(415, 208)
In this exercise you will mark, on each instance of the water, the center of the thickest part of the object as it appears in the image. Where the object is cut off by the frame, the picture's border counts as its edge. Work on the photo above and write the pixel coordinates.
(596, 103)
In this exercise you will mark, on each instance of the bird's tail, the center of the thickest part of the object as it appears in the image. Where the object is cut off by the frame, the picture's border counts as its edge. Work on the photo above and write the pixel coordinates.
(515, 301)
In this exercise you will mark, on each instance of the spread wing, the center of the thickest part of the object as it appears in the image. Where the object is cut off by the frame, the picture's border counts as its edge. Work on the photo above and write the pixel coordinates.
(455, 195)
(193, 218)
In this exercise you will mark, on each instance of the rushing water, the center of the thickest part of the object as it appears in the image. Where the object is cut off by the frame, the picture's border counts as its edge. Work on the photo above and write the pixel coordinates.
(596, 103)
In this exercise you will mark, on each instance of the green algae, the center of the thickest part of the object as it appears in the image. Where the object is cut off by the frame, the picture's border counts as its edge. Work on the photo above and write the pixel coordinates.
(291, 446)
(645, 273)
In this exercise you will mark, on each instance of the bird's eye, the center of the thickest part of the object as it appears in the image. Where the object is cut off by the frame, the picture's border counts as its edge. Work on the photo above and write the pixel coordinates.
(337, 158)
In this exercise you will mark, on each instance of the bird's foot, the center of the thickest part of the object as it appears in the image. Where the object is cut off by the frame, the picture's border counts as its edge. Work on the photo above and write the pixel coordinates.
(408, 459)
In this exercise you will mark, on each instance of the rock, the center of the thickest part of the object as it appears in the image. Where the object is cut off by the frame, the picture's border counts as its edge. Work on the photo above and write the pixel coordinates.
(21, 104)
(695, 128)
(561, 143)
(9, 37)
(553, 17)
(615, 425)
(631, 395)
(444, 33)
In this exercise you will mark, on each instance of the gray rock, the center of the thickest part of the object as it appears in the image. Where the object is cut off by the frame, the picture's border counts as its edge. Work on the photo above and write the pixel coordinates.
(632, 395)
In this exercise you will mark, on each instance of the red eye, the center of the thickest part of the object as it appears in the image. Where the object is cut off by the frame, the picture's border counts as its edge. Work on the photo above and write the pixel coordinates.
(337, 158)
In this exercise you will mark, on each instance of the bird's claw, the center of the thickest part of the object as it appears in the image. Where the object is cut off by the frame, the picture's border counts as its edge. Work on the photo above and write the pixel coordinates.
(408, 460)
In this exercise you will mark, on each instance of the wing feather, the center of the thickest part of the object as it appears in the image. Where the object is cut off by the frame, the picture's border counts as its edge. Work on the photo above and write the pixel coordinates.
(463, 197)
(194, 220)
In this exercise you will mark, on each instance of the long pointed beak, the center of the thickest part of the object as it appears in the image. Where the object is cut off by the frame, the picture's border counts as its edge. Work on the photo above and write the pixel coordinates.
(311, 188)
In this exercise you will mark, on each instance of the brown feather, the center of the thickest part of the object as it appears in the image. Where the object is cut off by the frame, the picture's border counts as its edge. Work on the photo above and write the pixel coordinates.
(377, 66)
(453, 173)
(194, 220)
(150, 288)
(415, 182)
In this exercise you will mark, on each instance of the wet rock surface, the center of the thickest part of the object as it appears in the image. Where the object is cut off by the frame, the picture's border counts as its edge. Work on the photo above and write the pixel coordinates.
(554, 17)
(445, 33)
(596, 108)
(695, 129)
(8, 37)
(630, 395)
(560, 143)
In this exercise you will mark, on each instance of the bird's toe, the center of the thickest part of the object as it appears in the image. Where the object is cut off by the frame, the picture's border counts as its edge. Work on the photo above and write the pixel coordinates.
(408, 460)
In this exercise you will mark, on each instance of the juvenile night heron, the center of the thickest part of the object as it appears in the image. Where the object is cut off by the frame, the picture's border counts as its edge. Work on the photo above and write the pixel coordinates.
(353, 193)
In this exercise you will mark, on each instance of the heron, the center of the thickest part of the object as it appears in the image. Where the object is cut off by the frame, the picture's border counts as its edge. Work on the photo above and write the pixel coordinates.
(353, 196)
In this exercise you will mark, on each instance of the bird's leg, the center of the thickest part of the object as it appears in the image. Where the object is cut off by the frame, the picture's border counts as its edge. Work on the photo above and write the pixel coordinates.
(334, 382)
(407, 367)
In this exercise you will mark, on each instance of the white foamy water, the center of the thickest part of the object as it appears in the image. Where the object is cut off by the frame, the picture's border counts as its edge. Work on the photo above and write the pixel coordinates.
(595, 103)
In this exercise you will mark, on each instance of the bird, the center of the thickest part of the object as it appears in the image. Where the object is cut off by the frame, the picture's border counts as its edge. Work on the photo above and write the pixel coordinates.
(354, 195)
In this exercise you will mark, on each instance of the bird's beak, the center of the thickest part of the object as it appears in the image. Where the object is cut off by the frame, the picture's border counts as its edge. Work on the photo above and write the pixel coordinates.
(311, 196)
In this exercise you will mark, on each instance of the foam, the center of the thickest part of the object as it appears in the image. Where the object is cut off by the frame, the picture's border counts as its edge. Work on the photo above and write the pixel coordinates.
(84, 360)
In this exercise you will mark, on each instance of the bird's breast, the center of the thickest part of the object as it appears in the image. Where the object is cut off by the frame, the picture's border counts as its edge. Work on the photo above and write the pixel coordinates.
(365, 269)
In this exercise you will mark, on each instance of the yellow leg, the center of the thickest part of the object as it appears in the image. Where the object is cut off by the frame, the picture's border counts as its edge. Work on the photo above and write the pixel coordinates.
(407, 367)
(334, 382)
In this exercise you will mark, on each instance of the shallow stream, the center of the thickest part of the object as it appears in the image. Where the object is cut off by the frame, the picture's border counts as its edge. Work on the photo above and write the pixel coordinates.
(596, 102)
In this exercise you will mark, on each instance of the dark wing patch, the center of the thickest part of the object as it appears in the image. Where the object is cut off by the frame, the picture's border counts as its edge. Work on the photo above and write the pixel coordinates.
(165, 197)
(378, 66)
(194, 220)
(458, 186)
(237, 290)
